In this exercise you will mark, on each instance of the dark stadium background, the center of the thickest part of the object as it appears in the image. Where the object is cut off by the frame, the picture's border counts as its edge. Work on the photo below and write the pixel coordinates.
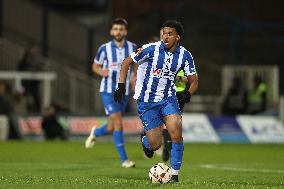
(227, 39)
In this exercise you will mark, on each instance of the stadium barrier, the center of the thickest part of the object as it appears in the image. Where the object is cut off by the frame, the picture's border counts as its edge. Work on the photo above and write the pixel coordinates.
(200, 128)
(67, 90)
(44, 77)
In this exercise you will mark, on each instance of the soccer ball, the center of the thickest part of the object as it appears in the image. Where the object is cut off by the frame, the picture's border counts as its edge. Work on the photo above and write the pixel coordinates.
(160, 173)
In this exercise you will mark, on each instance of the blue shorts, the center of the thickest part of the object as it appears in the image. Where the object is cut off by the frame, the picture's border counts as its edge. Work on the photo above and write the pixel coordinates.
(151, 113)
(111, 106)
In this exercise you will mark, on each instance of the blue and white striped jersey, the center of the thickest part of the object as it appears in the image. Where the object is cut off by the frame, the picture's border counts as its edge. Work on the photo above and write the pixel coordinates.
(157, 71)
(111, 57)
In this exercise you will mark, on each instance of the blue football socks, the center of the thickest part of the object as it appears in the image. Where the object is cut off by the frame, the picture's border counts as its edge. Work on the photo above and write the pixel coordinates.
(176, 157)
(119, 144)
(146, 143)
(101, 131)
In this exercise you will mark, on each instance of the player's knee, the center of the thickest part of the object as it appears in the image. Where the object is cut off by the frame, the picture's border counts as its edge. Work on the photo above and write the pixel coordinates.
(110, 129)
(117, 124)
(177, 121)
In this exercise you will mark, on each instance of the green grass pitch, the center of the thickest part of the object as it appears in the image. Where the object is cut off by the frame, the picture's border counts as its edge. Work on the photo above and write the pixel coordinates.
(69, 165)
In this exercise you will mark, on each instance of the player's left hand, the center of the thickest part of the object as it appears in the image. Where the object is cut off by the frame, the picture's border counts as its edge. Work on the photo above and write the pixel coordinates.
(186, 97)
(119, 92)
(138, 51)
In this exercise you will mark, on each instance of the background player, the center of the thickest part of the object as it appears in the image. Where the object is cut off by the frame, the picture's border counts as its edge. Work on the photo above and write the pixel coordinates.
(107, 65)
(155, 90)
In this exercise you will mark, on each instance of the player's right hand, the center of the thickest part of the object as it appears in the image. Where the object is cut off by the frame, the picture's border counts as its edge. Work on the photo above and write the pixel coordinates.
(104, 72)
(119, 92)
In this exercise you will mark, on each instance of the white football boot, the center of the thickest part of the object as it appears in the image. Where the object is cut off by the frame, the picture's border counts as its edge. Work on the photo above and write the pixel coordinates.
(128, 164)
(91, 140)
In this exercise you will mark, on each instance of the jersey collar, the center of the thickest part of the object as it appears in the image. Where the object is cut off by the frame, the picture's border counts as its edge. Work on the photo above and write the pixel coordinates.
(114, 45)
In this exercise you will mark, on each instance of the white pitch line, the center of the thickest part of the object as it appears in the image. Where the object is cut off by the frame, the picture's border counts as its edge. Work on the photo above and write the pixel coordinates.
(226, 168)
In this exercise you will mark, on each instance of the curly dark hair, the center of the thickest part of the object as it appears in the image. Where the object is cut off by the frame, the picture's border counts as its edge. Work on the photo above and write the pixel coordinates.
(174, 24)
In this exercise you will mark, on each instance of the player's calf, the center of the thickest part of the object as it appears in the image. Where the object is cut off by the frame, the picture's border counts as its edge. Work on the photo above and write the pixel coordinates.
(155, 138)
(155, 145)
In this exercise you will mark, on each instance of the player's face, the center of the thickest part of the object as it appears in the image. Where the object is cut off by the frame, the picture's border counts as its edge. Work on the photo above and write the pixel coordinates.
(118, 32)
(170, 37)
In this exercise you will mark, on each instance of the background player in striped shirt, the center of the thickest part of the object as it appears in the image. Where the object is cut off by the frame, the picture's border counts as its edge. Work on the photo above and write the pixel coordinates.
(155, 90)
(107, 65)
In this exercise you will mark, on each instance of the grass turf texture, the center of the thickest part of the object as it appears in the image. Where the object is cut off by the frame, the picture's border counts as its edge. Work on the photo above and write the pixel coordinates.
(69, 165)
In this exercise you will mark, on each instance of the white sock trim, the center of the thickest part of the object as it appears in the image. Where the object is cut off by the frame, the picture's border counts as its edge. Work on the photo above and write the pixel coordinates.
(175, 172)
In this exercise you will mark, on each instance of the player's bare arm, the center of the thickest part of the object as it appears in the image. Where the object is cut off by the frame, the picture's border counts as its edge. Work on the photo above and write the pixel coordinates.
(98, 69)
(193, 80)
(124, 69)
(135, 68)
(134, 77)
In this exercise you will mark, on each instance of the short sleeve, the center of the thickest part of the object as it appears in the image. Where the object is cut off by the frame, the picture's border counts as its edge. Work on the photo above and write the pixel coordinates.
(189, 68)
(100, 56)
(141, 54)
